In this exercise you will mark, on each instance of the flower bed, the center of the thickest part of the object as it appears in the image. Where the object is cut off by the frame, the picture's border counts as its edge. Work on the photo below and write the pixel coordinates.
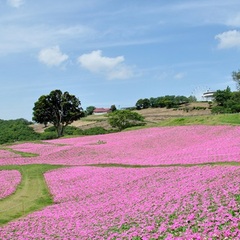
(131, 203)
(154, 146)
(9, 180)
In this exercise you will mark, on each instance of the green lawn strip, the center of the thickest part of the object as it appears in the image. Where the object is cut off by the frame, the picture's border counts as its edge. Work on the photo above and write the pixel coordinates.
(32, 193)
(219, 119)
(163, 165)
(22, 154)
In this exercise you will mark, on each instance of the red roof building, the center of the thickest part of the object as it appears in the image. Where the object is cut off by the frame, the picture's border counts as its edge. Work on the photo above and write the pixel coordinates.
(99, 111)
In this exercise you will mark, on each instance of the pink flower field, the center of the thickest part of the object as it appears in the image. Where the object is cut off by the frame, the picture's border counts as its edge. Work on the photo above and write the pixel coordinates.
(147, 203)
(131, 203)
(9, 180)
(154, 146)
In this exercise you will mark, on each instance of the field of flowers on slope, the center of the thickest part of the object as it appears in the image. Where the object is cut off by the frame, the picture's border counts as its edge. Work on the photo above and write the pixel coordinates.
(154, 146)
(130, 203)
(199, 202)
(9, 180)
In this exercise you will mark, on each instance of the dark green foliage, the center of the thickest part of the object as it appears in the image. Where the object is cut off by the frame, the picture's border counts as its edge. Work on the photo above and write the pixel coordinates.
(89, 110)
(16, 130)
(58, 108)
(75, 131)
(222, 96)
(113, 108)
(70, 130)
(168, 101)
(221, 109)
(143, 103)
(226, 101)
(96, 131)
(48, 135)
(236, 78)
(122, 119)
(192, 99)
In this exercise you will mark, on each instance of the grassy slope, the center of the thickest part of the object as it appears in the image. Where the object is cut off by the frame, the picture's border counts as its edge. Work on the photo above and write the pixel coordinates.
(221, 119)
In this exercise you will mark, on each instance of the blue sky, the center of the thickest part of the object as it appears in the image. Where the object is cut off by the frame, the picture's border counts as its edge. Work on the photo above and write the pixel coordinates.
(114, 52)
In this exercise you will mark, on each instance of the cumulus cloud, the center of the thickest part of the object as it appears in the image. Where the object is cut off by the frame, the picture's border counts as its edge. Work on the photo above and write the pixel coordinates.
(52, 56)
(15, 3)
(112, 68)
(228, 39)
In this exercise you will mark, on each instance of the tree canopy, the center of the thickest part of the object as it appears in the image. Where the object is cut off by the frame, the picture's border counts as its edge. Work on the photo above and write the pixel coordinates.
(236, 78)
(168, 101)
(226, 101)
(58, 108)
(122, 119)
(89, 110)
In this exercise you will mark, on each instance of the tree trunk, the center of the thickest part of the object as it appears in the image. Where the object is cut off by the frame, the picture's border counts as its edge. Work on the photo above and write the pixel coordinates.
(60, 130)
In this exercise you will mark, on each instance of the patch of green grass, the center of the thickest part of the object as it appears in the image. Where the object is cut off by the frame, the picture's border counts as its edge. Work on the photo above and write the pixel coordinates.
(220, 119)
(22, 154)
(31, 194)
(164, 165)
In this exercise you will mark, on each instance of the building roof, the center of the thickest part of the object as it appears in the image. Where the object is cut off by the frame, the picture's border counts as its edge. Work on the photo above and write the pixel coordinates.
(101, 110)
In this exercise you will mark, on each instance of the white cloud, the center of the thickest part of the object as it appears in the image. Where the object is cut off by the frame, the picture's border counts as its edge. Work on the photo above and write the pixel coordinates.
(52, 56)
(112, 68)
(228, 39)
(15, 3)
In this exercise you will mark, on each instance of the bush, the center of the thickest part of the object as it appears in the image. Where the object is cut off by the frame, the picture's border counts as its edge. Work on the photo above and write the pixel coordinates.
(220, 109)
(16, 130)
(122, 119)
(95, 131)
(48, 135)
(50, 129)
(70, 130)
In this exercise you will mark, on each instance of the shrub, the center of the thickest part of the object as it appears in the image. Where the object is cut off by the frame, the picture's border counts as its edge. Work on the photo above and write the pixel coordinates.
(16, 130)
(95, 131)
(122, 119)
(48, 135)
(70, 130)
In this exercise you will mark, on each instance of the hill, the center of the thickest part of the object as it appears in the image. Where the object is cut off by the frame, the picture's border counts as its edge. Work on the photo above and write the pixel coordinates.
(151, 115)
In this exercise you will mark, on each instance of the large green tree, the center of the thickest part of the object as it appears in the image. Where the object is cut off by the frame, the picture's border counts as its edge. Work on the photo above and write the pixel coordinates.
(58, 108)
(222, 96)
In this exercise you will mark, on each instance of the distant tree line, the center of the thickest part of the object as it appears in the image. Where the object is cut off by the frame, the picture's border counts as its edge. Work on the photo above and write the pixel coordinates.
(16, 130)
(21, 130)
(168, 101)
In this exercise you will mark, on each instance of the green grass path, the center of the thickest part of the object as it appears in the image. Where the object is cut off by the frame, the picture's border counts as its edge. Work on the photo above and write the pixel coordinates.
(32, 193)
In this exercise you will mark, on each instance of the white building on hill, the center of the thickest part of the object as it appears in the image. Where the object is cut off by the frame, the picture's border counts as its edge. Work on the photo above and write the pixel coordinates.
(208, 95)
